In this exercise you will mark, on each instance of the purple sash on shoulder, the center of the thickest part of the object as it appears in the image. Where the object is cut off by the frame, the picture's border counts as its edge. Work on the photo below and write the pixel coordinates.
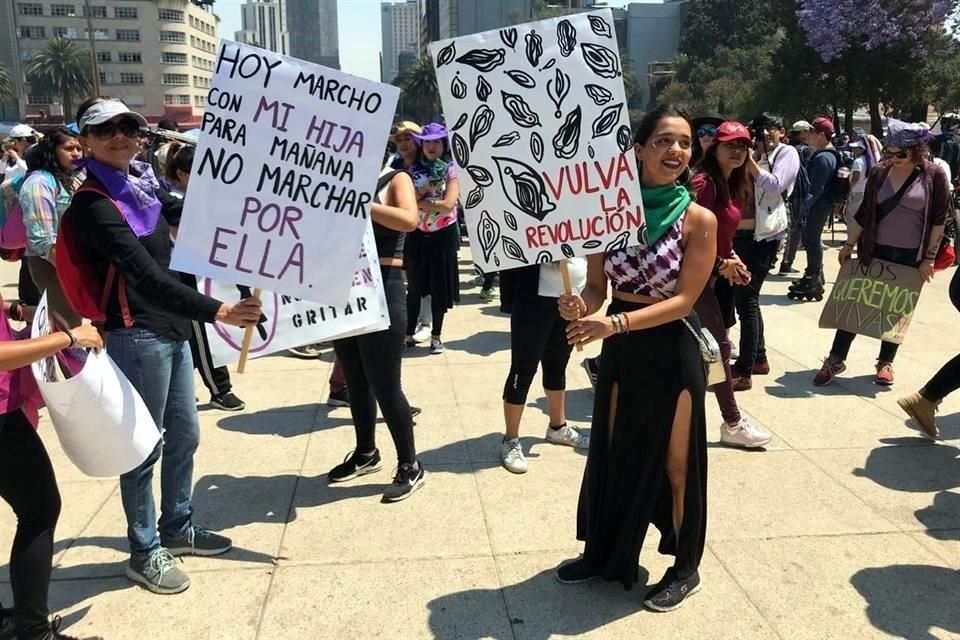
(134, 192)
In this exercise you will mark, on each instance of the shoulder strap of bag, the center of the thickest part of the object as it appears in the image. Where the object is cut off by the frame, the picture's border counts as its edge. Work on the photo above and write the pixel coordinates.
(112, 274)
(385, 179)
(887, 206)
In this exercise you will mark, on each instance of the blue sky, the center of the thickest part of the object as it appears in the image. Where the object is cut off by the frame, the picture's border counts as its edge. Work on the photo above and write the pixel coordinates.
(359, 32)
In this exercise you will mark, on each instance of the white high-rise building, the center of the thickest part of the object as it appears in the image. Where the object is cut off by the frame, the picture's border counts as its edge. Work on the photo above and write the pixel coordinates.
(400, 32)
(264, 25)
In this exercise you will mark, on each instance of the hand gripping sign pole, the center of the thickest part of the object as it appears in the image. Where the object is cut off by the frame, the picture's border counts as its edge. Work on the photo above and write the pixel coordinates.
(247, 339)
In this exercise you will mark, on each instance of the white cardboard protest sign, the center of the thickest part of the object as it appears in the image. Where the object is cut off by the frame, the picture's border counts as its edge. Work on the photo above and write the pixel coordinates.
(101, 421)
(292, 322)
(284, 174)
(541, 135)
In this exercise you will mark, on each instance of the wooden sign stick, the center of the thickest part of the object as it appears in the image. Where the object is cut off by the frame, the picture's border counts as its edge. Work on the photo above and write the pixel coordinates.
(247, 339)
(567, 289)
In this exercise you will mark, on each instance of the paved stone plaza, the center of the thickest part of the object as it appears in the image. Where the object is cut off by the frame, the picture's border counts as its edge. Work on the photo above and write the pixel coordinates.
(848, 526)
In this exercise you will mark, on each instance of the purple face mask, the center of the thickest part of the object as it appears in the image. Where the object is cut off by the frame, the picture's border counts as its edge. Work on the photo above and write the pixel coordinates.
(134, 193)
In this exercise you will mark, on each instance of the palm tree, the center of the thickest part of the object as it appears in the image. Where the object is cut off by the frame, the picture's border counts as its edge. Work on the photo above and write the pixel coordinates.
(62, 69)
(6, 83)
(419, 95)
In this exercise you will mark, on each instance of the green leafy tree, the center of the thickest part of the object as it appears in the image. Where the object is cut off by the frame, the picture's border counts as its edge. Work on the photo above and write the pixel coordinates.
(62, 69)
(419, 95)
(732, 24)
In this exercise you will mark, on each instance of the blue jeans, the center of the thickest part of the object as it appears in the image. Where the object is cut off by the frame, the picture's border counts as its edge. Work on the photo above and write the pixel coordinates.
(161, 369)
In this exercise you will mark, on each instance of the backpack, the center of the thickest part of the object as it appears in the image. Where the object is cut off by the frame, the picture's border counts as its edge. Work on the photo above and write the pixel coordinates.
(87, 294)
(13, 235)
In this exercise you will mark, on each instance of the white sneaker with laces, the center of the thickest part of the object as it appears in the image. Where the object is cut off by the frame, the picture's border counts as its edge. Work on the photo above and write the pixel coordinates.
(744, 435)
(511, 456)
(567, 435)
(436, 346)
(422, 334)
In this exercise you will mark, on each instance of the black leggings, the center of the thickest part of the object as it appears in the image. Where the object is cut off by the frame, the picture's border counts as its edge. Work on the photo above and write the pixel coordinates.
(537, 335)
(947, 380)
(437, 307)
(371, 364)
(28, 485)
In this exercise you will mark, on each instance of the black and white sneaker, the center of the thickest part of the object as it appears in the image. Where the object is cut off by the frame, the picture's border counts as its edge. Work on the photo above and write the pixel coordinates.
(227, 402)
(7, 632)
(592, 366)
(577, 572)
(356, 465)
(671, 591)
(409, 478)
(339, 398)
(415, 411)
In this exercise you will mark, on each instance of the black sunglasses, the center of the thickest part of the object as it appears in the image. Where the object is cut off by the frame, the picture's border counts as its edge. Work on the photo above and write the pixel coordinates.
(129, 127)
(704, 132)
(902, 155)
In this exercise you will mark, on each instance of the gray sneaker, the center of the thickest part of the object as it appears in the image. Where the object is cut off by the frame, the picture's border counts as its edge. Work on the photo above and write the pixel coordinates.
(567, 435)
(197, 542)
(158, 572)
(511, 456)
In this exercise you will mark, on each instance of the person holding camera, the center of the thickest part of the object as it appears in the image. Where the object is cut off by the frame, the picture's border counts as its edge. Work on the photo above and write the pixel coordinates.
(773, 167)
(13, 165)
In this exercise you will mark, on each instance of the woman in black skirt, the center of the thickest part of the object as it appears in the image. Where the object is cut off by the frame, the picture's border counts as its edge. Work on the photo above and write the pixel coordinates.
(431, 250)
(648, 457)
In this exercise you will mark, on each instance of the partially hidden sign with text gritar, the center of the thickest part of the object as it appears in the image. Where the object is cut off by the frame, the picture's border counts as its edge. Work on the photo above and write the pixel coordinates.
(284, 175)
(876, 300)
(292, 322)
(540, 134)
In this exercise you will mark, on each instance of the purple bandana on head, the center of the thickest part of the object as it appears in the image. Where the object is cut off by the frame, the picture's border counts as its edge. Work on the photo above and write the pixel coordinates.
(134, 193)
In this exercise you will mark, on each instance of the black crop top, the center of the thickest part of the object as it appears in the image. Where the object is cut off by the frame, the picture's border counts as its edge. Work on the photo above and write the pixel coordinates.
(389, 242)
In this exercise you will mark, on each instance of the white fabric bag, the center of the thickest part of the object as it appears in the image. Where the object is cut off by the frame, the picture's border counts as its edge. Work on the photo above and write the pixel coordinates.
(101, 421)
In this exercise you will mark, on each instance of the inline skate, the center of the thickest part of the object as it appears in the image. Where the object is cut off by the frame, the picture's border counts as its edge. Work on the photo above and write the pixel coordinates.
(808, 288)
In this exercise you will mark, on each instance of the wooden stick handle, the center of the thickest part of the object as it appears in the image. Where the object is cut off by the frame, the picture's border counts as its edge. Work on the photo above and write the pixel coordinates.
(567, 289)
(247, 339)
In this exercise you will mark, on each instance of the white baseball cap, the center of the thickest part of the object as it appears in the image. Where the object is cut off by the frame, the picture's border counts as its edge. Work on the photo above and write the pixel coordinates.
(23, 131)
(801, 125)
(108, 110)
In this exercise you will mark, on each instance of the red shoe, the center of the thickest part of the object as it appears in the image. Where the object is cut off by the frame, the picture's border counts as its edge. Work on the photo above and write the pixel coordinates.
(827, 372)
(743, 383)
(761, 368)
(884, 374)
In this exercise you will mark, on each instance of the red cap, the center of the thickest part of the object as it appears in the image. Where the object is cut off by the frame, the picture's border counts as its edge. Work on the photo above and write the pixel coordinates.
(731, 131)
(824, 126)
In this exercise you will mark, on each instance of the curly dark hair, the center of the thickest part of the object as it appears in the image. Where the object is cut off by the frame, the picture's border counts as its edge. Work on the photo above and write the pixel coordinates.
(179, 158)
(43, 157)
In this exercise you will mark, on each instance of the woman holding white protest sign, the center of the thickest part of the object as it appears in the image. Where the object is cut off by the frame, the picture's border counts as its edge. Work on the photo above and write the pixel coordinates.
(113, 256)
(905, 207)
(648, 457)
(27, 480)
(431, 252)
(372, 362)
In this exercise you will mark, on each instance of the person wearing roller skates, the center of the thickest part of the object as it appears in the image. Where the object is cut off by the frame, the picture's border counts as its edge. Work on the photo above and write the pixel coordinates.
(822, 171)
(901, 220)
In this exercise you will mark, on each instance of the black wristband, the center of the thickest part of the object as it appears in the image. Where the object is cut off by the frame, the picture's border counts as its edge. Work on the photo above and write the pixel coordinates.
(73, 338)
(15, 312)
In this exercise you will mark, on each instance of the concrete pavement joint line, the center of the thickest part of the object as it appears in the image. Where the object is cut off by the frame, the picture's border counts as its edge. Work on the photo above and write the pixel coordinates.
(745, 593)
(286, 523)
(116, 487)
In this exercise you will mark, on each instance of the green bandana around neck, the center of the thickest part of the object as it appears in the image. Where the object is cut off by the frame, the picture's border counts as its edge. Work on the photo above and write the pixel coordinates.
(662, 207)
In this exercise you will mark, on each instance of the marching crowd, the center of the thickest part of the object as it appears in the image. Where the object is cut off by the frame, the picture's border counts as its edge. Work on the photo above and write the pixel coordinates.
(722, 201)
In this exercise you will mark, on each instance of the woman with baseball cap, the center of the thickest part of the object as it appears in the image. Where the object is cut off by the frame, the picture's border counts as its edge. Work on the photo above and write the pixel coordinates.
(431, 251)
(905, 207)
(722, 185)
(113, 239)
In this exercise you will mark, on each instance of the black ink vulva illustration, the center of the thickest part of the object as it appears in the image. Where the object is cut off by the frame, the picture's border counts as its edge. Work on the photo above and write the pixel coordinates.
(524, 188)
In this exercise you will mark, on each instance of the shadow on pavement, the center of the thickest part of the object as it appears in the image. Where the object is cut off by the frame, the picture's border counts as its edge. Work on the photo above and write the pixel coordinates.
(539, 608)
(483, 343)
(799, 384)
(946, 504)
(913, 469)
(910, 601)
(233, 501)
(278, 422)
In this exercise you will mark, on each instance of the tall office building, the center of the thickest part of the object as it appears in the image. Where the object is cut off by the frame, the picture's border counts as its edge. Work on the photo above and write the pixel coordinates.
(312, 25)
(155, 55)
(653, 35)
(400, 33)
(264, 25)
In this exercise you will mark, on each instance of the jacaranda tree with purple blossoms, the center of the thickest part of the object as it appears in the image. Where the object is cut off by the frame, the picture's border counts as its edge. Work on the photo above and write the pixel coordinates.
(881, 46)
